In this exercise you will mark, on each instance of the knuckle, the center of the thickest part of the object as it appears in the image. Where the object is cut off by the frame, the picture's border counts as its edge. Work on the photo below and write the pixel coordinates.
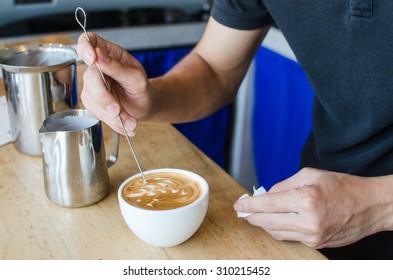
(316, 227)
(265, 200)
(311, 245)
(115, 67)
(310, 203)
(253, 204)
(314, 241)
(309, 197)
(307, 170)
(263, 203)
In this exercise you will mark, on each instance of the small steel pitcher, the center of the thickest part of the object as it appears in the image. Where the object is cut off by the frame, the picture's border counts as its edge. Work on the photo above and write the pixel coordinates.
(74, 161)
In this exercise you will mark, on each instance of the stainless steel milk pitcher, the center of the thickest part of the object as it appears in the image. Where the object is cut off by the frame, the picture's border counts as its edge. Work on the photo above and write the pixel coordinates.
(39, 80)
(74, 161)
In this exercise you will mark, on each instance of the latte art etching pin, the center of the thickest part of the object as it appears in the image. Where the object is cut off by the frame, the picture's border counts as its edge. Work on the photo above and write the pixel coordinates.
(83, 25)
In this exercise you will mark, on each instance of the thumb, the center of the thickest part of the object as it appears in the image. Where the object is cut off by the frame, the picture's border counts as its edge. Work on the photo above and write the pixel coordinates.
(279, 202)
(85, 50)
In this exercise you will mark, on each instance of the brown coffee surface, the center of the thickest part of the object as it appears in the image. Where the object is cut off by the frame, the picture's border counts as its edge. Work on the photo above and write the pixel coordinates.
(162, 191)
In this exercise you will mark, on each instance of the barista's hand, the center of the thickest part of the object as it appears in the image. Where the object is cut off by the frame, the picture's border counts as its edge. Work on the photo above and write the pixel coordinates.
(129, 87)
(319, 208)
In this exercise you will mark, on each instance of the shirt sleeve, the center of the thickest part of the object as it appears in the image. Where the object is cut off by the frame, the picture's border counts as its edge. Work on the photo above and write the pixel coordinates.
(241, 14)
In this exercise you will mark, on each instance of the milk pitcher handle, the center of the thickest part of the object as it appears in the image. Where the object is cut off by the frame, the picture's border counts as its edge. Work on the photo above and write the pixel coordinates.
(114, 149)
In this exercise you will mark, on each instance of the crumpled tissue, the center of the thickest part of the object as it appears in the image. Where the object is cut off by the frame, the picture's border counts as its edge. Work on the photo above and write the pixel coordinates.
(259, 191)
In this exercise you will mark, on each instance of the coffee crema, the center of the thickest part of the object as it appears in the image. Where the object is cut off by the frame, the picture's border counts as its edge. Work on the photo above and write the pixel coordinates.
(162, 191)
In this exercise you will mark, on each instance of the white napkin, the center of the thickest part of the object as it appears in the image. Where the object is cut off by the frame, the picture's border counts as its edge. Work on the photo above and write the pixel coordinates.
(259, 191)
(5, 128)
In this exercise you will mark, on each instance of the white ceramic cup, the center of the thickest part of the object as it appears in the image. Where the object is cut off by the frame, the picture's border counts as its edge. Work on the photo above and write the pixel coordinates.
(166, 228)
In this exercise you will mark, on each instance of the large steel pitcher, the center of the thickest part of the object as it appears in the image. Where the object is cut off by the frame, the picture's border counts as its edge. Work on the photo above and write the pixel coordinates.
(39, 80)
(74, 161)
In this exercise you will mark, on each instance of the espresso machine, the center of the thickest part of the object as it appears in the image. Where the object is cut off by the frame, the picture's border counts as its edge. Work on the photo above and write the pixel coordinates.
(23, 17)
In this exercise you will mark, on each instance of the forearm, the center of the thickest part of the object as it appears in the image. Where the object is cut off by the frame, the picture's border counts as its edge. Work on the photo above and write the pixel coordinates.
(190, 91)
(208, 77)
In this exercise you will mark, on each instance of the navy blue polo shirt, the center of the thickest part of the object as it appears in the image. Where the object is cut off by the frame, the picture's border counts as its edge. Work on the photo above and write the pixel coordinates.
(345, 48)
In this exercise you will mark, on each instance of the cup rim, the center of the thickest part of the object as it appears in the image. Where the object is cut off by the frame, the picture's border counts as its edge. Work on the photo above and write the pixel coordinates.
(201, 180)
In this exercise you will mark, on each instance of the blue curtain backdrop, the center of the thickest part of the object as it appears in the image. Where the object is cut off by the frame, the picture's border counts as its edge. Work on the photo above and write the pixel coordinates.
(281, 116)
(209, 134)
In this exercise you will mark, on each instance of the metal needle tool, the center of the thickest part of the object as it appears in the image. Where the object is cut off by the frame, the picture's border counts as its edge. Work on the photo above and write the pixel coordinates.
(107, 88)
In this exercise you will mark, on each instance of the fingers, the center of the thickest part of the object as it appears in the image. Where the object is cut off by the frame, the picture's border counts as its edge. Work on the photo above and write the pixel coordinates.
(85, 48)
(103, 104)
(278, 221)
(269, 203)
(310, 240)
(289, 227)
(282, 197)
(127, 73)
(125, 70)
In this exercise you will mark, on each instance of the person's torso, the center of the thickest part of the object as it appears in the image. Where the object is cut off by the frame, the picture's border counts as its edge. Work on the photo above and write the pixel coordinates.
(345, 48)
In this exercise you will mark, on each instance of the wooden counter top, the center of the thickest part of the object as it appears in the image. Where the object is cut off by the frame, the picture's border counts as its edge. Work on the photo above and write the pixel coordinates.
(31, 227)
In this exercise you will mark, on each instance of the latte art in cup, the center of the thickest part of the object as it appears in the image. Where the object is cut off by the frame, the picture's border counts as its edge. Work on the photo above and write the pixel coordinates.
(161, 191)
(166, 210)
